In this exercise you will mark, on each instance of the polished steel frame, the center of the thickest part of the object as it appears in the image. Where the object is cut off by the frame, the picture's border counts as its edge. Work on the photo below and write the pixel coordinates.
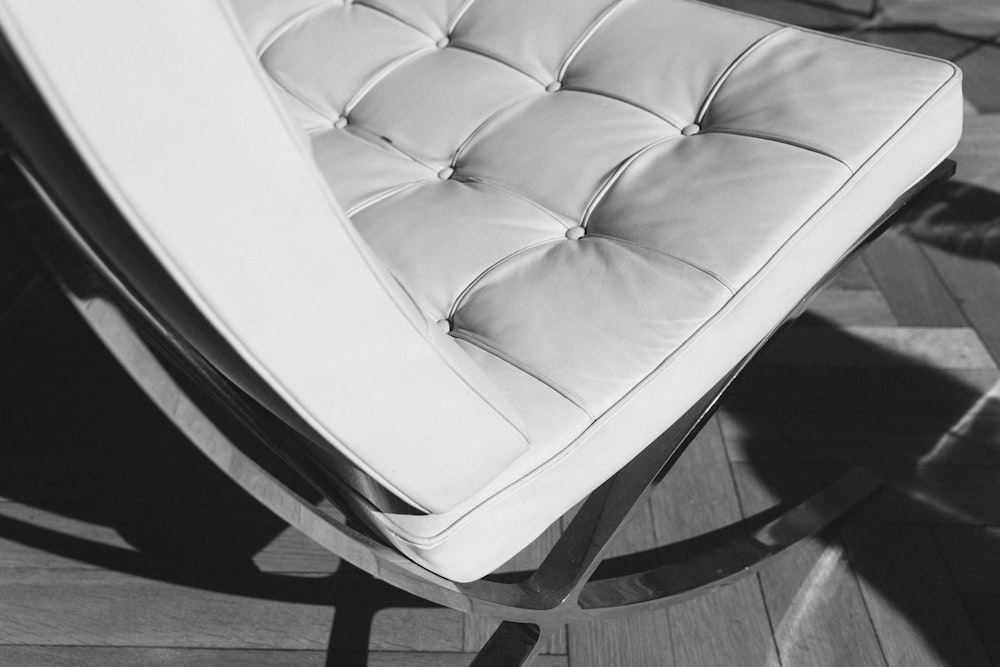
(56, 202)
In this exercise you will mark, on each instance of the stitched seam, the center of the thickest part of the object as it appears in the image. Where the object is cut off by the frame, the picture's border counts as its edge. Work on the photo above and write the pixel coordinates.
(379, 197)
(381, 143)
(472, 48)
(482, 126)
(527, 200)
(297, 95)
(681, 260)
(289, 24)
(777, 138)
(389, 14)
(624, 100)
(384, 143)
(613, 178)
(488, 270)
(459, 13)
(569, 395)
(380, 75)
(585, 37)
(729, 70)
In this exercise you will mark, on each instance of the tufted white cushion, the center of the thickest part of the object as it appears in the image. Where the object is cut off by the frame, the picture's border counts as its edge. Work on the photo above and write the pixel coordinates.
(606, 203)
(575, 216)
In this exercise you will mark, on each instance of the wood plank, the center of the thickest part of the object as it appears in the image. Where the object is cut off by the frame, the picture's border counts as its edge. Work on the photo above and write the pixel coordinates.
(157, 537)
(812, 597)
(979, 82)
(220, 610)
(984, 608)
(927, 41)
(976, 285)
(819, 15)
(846, 307)
(943, 495)
(639, 639)
(699, 494)
(79, 656)
(977, 153)
(979, 18)
(960, 228)
(971, 439)
(973, 555)
(854, 391)
(879, 346)
(916, 611)
(728, 626)
(854, 276)
(910, 285)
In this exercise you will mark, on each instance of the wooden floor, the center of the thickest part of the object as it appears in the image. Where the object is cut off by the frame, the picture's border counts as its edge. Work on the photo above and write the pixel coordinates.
(120, 545)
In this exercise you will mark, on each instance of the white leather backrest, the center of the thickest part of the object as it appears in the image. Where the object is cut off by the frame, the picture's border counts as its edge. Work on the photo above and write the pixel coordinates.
(167, 107)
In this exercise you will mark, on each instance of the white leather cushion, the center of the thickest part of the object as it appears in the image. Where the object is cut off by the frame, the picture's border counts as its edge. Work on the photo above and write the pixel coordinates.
(675, 224)
(717, 163)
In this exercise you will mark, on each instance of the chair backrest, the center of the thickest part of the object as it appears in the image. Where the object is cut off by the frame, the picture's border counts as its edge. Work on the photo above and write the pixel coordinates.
(255, 263)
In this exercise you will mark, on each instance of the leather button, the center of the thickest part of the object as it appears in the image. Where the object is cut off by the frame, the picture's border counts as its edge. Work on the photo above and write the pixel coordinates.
(693, 128)
(444, 325)
(340, 123)
(446, 173)
(441, 43)
(575, 233)
(553, 87)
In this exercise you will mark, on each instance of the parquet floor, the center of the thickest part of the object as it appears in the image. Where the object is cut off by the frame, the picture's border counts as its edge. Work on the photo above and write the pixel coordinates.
(120, 545)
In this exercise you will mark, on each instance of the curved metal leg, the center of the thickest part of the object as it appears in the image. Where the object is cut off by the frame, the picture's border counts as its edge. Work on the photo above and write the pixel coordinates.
(511, 645)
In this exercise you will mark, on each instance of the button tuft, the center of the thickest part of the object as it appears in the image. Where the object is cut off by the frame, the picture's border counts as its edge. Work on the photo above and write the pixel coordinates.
(444, 325)
(693, 128)
(575, 233)
(443, 42)
(340, 123)
(446, 173)
(553, 87)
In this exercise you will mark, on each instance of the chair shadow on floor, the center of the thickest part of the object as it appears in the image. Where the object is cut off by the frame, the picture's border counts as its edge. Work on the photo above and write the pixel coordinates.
(78, 440)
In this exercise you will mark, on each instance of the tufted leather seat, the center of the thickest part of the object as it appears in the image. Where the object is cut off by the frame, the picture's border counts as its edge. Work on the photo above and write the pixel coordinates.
(605, 204)
(584, 213)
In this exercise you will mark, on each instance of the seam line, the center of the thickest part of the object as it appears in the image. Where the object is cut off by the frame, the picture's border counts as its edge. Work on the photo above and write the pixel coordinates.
(289, 24)
(776, 138)
(585, 37)
(379, 197)
(680, 260)
(503, 260)
(384, 12)
(729, 70)
(379, 76)
(459, 13)
(624, 100)
(613, 178)
(527, 200)
(472, 339)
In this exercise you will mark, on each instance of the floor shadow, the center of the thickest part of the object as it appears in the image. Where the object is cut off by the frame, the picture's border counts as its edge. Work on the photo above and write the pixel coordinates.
(957, 217)
(81, 442)
(932, 435)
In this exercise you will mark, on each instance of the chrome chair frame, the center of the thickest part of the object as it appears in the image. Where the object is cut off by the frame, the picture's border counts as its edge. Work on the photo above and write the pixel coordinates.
(54, 200)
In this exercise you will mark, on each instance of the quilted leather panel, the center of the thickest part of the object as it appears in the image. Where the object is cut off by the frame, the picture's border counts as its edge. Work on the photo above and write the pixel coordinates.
(883, 88)
(590, 360)
(727, 216)
(473, 143)
(643, 53)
